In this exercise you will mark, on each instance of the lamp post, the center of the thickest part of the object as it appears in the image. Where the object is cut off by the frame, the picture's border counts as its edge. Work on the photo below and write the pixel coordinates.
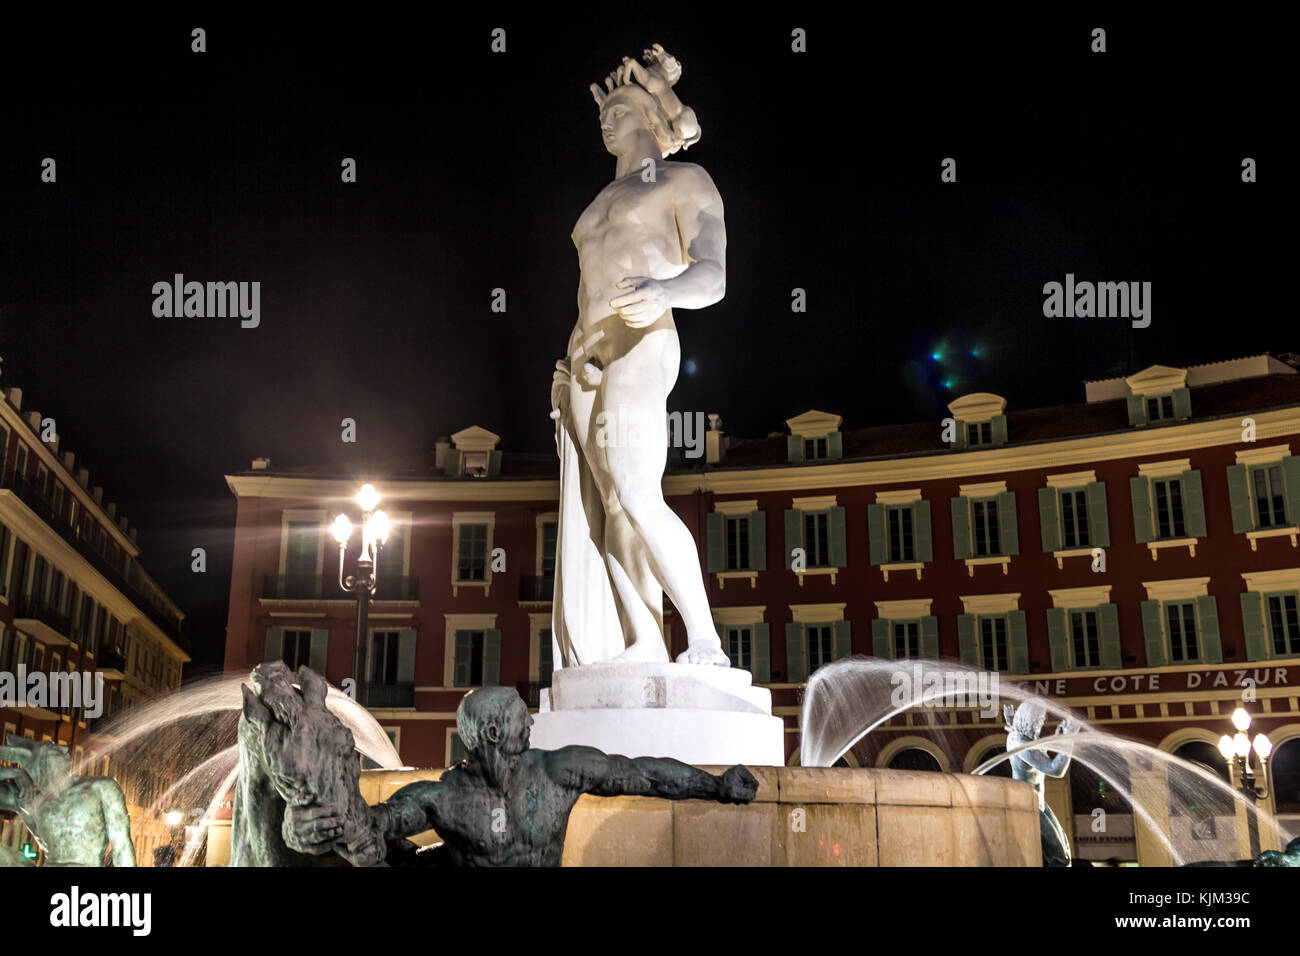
(374, 532)
(1253, 781)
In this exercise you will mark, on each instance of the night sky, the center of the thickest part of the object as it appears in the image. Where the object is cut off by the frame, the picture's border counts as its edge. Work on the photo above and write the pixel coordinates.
(473, 167)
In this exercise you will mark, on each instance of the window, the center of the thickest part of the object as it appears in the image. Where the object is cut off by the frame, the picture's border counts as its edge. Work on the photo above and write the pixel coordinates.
(474, 464)
(545, 659)
(20, 461)
(1270, 503)
(549, 529)
(1084, 638)
(901, 540)
(815, 448)
(296, 650)
(907, 640)
(1283, 625)
(1181, 619)
(1160, 406)
(740, 647)
(471, 560)
(979, 433)
(737, 535)
(300, 550)
(470, 647)
(385, 650)
(816, 538)
(1074, 519)
(58, 498)
(984, 525)
(821, 645)
(1169, 508)
(994, 652)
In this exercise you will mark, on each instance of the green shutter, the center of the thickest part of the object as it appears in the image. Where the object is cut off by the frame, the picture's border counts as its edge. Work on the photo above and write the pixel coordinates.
(714, 525)
(1193, 504)
(1056, 639)
(794, 653)
(451, 464)
(930, 637)
(1252, 623)
(960, 528)
(999, 429)
(843, 639)
(545, 656)
(1140, 489)
(1137, 410)
(1008, 533)
(1098, 516)
(876, 535)
(961, 434)
(758, 541)
(761, 661)
(1047, 524)
(320, 642)
(1153, 634)
(494, 464)
(1239, 498)
(1207, 614)
(793, 535)
(921, 529)
(880, 639)
(966, 646)
(1019, 641)
(1108, 626)
(793, 448)
(835, 445)
(1182, 403)
(1291, 473)
(491, 657)
(839, 538)
(406, 656)
(461, 662)
(274, 649)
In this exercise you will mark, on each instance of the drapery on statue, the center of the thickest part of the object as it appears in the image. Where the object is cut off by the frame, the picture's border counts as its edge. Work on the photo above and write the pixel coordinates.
(74, 819)
(1024, 724)
(505, 804)
(651, 241)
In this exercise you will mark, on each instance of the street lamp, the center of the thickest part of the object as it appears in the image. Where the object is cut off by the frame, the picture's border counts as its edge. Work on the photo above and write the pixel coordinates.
(1253, 781)
(374, 532)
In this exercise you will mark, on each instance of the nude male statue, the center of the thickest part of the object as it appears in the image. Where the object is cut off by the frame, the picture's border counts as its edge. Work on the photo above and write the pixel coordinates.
(652, 241)
(74, 819)
(505, 805)
(1024, 724)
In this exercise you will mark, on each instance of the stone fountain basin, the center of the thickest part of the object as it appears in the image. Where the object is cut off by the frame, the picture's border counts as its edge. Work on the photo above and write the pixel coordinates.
(850, 817)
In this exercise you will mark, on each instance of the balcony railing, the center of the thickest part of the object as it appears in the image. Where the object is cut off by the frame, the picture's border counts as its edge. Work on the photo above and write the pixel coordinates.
(280, 587)
(111, 660)
(47, 614)
(536, 589)
(29, 495)
(388, 695)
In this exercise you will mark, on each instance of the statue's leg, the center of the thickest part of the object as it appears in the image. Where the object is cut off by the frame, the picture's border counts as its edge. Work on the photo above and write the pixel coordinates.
(635, 396)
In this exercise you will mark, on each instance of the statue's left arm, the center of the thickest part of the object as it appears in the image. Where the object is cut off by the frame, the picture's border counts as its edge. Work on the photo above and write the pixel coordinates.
(611, 775)
(117, 822)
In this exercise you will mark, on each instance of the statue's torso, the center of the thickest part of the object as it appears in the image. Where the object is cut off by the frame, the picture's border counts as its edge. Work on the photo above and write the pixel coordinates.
(70, 825)
(531, 830)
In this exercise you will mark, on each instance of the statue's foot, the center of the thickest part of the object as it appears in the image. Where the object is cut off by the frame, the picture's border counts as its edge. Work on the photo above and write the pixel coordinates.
(704, 652)
(651, 650)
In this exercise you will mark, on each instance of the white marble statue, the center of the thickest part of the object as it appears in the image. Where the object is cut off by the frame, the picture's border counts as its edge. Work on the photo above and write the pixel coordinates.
(651, 241)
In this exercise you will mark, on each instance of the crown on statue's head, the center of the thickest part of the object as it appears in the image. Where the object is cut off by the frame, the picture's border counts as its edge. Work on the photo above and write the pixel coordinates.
(674, 125)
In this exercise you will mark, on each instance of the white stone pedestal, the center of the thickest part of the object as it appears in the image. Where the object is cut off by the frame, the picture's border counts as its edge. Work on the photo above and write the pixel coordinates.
(698, 714)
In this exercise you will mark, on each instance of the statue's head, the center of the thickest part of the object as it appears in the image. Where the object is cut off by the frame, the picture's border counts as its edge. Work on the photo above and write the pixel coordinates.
(1027, 719)
(493, 718)
(628, 109)
(303, 747)
(47, 763)
(639, 97)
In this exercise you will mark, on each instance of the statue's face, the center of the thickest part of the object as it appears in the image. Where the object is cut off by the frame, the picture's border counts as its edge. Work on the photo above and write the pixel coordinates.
(517, 732)
(621, 118)
(52, 765)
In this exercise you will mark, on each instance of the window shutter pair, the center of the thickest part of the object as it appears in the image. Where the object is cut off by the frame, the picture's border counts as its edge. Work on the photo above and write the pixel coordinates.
(1207, 631)
(878, 532)
(716, 534)
(1193, 506)
(1098, 516)
(1008, 529)
(1017, 641)
(1241, 496)
(838, 550)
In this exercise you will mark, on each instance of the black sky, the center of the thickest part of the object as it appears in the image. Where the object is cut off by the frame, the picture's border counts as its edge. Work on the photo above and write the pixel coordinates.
(473, 167)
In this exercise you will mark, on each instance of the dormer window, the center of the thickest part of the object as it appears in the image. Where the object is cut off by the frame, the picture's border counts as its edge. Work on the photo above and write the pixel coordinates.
(814, 448)
(1160, 407)
(1159, 394)
(980, 433)
(474, 464)
(978, 421)
(814, 436)
(474, 454)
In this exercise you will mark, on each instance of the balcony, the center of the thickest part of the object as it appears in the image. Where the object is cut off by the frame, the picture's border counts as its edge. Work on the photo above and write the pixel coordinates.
(43, 621)
(28, 494)
(280, 587)
(397, 588)
(388, 695)
(536, 589)
(112, 664)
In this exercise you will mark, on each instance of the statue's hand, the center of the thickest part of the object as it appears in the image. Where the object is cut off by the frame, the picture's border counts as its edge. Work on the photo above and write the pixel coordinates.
(560, 389)
(1067, 726)
(313, 830)
(643, 303)
(737, 785)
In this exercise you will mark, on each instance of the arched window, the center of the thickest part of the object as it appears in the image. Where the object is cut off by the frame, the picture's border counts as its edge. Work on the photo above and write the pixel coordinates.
(913, 758)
